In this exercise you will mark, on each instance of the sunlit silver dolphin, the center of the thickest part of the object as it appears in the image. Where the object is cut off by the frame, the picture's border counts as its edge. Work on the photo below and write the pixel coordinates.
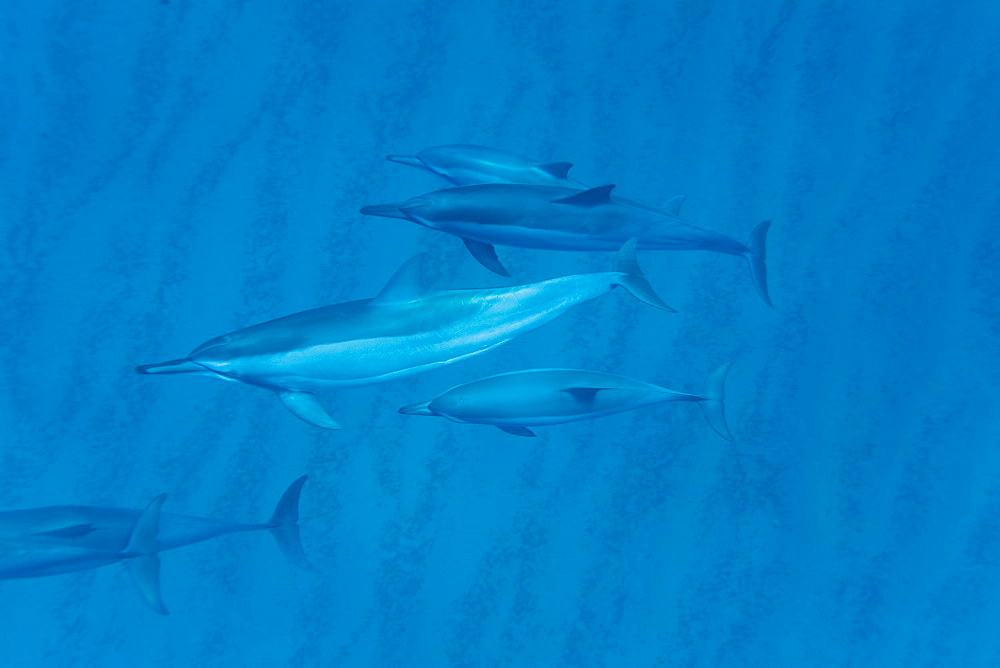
(562, 218)
(520, 399)
(406, 329)
(64, 539)
(465, 164)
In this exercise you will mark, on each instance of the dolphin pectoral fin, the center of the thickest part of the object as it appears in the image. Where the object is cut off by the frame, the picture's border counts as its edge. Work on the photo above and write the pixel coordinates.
(592, 197)
(486, 255)
(284, 524)
(145, 572)
(559, 170)
(632, 279)
(411, 160)
(517, 430)
(407, 283)
(585, 395)
(673, 206)
(141, 560)
(306, 407)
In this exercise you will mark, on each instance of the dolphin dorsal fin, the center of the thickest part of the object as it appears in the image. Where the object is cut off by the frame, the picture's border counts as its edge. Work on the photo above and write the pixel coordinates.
(407, 283)
(584, 395)
(673, 206)
(593, 197)
(559, 170)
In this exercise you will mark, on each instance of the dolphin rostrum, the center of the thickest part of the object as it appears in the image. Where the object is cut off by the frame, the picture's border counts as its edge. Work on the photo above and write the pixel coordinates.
(564, 218)
(465, 164)
(406, 329)
(520, 399)
(63, 539)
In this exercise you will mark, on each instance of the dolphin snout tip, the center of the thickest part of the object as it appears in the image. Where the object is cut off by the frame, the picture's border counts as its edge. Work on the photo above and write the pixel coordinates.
(411, 160)
(417, 409)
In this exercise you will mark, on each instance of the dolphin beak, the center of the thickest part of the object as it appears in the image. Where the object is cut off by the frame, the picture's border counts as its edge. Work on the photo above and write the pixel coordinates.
(411, 160)
(417, 409)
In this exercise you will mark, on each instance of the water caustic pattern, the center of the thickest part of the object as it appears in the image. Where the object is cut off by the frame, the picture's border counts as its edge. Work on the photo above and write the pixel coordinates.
(176, 170)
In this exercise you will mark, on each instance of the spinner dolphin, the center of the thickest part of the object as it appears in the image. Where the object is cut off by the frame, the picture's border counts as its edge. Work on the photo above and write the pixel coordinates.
(565, 218)
(406, 329)
(534, 397)
(37, 542)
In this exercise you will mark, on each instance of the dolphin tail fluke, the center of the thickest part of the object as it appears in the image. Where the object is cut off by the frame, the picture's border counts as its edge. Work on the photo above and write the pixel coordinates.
(306, 407)
(142, 561)
(411, 160)
(284, 524)
(631, 278)
(712, 401)
(756, 257)
(384, 210)
(173, 366)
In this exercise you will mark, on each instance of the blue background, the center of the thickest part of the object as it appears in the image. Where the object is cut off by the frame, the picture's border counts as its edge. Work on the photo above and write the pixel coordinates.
(174, 171)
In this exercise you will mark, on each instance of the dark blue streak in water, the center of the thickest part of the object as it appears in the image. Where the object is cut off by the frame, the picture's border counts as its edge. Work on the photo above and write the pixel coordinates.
(172, 171)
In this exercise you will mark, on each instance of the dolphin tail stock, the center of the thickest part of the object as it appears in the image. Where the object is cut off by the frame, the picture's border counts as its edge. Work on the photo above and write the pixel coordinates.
(712, 401)
(284, 524)
(631, 278)
(141, 558)
(306, 407)
(173, 366)
(411, 160)
(384, 211)
(757, 257)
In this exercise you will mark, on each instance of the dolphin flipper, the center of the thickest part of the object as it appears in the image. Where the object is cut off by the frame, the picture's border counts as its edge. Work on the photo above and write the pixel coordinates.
(306, 407)
(284, 524)
(142, 562)
(517, 430)
(486, 255)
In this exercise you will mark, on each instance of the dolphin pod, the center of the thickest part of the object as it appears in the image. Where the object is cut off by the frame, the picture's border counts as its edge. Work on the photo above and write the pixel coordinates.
(62, 539)
(506, 200)
(517, 400)
(406, 329)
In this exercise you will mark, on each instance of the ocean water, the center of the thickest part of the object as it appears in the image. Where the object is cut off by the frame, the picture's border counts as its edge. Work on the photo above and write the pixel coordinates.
(175, 170)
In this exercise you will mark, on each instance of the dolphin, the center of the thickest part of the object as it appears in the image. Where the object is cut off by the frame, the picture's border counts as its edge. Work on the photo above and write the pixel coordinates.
(563, 218)
(517, 400)
(466, 164)
(406, 329)
(63, 539)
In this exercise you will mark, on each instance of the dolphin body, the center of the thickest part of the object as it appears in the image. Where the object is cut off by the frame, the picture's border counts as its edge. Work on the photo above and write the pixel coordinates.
(466, 165)
(469, 165)
(520, 399)
(564, 218)
(406, 329)
(63, 539)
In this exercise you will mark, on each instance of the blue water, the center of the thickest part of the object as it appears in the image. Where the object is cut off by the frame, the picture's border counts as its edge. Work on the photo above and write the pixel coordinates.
(175, 170)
